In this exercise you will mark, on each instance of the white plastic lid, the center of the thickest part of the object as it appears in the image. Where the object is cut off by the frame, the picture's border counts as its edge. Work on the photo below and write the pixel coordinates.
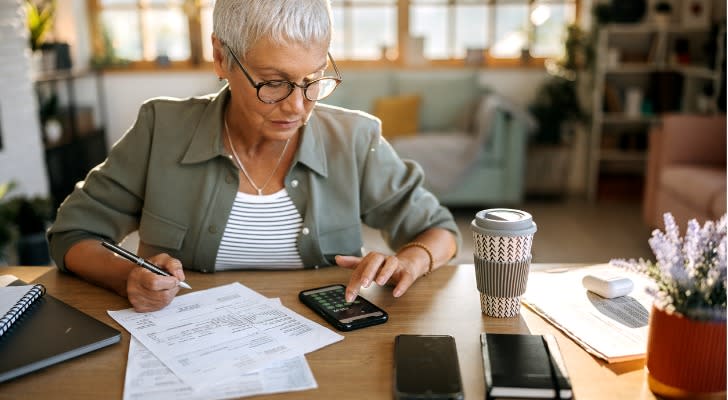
(503, 222)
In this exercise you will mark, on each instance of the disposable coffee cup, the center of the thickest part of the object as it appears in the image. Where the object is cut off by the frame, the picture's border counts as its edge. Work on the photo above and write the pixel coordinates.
(502, 239)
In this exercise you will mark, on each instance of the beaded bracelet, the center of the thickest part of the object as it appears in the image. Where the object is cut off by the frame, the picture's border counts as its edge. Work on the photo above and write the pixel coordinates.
(423, 247)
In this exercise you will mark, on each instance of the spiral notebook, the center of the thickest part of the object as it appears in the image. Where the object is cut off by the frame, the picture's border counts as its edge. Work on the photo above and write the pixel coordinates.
(37, 330)
(14, 300)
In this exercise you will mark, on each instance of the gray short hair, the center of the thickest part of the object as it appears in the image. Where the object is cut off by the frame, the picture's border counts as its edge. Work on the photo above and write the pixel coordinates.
(242, 23)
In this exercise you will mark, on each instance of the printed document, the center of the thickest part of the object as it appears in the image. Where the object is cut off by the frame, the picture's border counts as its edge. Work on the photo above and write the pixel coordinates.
(204, 335)
(612, 329)
(148, 378)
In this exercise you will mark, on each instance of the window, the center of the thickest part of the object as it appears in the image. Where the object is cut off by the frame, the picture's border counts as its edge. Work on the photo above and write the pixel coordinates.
(146, 30)
(502, 28)
(406, 31)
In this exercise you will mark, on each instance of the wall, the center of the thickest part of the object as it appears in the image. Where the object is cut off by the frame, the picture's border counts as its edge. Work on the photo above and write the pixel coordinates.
(21, 158)
(125, 92)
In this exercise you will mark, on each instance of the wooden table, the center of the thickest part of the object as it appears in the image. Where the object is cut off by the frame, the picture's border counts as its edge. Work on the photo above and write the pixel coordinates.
(360, 366)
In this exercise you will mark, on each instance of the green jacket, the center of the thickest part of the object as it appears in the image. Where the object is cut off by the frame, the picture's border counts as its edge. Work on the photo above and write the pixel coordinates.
(170, 178)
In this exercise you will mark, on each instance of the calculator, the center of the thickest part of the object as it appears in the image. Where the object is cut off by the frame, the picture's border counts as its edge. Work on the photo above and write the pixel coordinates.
(329, 303)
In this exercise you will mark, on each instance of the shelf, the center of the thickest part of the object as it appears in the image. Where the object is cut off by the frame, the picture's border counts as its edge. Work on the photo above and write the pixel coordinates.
(646, 28)
(82, 141)
(638, 69)
(693, 71)
(620, 118)
(61, 75)
(632, 156)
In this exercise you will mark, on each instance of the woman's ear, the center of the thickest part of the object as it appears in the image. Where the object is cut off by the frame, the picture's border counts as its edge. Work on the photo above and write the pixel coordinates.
(219, 59)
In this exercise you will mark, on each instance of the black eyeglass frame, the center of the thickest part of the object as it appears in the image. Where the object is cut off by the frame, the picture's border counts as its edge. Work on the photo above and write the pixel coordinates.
(291, 85)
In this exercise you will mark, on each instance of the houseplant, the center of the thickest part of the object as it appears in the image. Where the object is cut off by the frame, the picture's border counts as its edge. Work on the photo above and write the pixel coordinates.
(6, 218)
(686, 348)
(23, 221)
(31, 216)
(39, 15)
(558, 110)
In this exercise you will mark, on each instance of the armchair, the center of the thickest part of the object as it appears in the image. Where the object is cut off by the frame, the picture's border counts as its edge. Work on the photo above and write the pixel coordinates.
(686, 169)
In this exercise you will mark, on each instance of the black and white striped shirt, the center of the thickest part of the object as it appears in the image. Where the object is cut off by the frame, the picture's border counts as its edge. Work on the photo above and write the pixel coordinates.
(261, 233)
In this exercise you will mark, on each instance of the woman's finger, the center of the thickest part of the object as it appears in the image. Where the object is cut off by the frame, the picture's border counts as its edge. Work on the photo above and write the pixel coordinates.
(349, 262)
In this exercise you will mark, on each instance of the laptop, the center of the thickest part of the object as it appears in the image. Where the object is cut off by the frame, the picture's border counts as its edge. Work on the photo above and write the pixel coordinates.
(49, 332)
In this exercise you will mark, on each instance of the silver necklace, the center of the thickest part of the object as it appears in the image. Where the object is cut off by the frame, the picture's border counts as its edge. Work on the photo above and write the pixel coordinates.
(242, 167)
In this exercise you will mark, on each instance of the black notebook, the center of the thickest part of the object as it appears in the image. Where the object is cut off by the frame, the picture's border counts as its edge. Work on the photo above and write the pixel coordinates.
(523, 367)
(46, 331)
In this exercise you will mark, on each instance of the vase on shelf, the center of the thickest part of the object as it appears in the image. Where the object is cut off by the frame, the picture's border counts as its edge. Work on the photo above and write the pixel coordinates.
(686, 358)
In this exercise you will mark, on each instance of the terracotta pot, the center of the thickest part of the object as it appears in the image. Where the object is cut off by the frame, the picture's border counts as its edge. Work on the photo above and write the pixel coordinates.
(686, 358)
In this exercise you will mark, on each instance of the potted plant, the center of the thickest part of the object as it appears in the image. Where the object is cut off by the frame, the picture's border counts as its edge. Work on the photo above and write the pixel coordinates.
(6, 224)
(30, 217)
(39, 16)
(23, 221)
(558, 110)
(686, 347)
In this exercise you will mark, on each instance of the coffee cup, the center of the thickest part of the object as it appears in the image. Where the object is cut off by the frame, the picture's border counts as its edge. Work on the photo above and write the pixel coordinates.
(502, 239)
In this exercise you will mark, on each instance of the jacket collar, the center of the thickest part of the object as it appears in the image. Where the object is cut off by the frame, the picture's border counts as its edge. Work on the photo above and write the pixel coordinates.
(207, 143)
(311, 150)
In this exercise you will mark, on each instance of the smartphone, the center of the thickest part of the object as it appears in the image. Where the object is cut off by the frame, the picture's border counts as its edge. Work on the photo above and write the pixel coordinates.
(426, 367)
(328, 302)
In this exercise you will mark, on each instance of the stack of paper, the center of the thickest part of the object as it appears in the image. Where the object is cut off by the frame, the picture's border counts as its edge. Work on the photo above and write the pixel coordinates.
(612, 329)
(228, 341)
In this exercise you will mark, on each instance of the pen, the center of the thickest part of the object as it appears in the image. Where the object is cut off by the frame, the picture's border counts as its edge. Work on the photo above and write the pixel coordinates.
(140, 261)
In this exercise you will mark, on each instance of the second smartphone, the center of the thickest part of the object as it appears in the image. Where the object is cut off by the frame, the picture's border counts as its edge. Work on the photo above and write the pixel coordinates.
(426, 367)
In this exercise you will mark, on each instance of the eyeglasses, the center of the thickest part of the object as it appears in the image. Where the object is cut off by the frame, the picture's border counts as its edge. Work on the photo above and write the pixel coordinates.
(270, 92)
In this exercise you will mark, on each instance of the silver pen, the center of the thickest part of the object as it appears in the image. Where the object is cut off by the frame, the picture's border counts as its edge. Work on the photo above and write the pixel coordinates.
(140, 261)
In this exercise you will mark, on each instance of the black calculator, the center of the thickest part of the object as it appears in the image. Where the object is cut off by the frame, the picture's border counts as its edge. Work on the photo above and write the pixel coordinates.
(329, 303)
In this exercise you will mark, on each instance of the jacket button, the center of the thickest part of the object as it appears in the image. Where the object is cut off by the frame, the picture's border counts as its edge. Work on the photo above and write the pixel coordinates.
(305, 231)
(212, 229)
(315, 267)
(294, 183)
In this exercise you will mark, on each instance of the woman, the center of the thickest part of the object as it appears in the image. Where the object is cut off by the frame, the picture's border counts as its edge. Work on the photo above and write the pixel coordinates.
(258, 175)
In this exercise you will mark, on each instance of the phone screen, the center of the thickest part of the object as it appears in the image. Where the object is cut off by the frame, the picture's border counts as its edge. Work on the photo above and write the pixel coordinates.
(328, 302)
(426, 366)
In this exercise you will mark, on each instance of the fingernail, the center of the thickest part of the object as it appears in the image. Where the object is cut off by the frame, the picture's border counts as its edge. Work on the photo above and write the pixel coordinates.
(397, 293)
(365, 282)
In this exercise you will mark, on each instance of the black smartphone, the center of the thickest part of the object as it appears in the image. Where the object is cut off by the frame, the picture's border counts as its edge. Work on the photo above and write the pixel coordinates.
(426, 367)
(328, 302)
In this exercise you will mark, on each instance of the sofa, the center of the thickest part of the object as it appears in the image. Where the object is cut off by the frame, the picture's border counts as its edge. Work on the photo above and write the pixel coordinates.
(470, 142)
(686, 169)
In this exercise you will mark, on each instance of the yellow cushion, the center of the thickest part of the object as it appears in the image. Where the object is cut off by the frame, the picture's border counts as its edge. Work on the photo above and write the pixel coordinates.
(399, 114)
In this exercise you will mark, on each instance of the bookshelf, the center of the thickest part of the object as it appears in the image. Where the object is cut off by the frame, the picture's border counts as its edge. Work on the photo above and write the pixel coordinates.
(642, 71)
(80, 143)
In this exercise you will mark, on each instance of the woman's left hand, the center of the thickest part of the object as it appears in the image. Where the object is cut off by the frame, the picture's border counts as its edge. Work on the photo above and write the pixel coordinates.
(378, 268)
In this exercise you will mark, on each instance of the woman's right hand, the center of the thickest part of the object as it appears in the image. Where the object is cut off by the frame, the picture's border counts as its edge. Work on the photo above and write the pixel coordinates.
(148, 291)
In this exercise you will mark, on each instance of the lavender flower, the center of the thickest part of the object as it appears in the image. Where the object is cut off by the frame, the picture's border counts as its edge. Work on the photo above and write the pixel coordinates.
(689, 273)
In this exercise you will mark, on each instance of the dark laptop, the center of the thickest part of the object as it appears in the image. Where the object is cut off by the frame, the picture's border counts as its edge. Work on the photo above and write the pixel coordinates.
(50, 331)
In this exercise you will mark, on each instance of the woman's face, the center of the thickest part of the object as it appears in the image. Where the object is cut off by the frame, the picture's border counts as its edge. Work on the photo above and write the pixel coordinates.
(265, 62)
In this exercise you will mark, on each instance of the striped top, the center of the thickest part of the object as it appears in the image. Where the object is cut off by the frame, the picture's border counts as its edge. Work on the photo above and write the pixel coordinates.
(261, 233)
